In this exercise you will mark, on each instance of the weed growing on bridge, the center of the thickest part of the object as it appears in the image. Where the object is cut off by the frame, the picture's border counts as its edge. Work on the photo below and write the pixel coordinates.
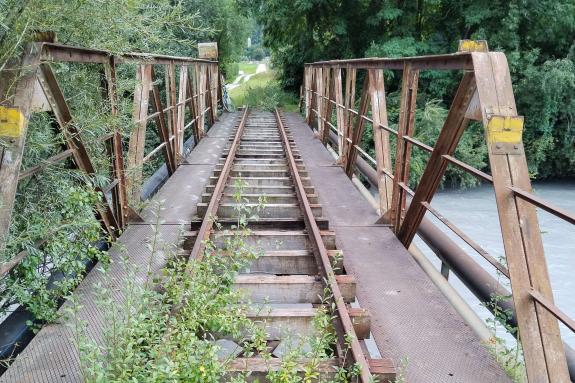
(401, 376)
(510, 358)
(168, 333)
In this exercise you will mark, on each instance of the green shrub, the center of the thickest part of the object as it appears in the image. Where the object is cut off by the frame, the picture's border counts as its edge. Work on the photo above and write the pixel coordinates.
(168, 336)
(269, 96)
(231, 71)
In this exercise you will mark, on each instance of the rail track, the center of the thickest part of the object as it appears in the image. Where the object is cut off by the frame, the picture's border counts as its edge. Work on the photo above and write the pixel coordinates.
(298, 253)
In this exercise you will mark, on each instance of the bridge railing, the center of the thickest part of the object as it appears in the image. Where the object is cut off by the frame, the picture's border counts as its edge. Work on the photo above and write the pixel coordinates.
(484, 94)
(164, 109)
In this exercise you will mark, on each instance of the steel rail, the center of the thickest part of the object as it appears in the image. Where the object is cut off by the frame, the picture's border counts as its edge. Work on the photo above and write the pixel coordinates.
(541, 203)
(554, 310)
(321, 251)
(474, 245)
(211, 211)
(46, 163)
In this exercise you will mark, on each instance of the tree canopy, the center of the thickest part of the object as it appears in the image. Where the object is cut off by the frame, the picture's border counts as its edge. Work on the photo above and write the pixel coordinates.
(538, 38)
(55, 207)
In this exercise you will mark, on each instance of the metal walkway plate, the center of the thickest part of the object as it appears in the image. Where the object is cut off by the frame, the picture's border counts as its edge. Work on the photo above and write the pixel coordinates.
(410, 316)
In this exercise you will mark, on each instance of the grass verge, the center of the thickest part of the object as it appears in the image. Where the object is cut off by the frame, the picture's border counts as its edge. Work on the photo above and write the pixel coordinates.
(263, 91)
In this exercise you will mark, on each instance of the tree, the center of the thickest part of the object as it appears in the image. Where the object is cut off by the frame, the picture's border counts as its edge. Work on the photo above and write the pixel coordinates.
(220, 21)
(537, 36)
(55, 207)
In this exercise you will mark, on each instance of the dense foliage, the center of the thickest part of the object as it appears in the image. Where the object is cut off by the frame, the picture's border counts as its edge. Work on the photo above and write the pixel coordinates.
(537, 36)
(53, 216)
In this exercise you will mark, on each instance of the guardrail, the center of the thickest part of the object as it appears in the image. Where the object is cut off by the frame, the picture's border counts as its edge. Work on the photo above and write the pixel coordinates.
(484, 94)
(33, 88)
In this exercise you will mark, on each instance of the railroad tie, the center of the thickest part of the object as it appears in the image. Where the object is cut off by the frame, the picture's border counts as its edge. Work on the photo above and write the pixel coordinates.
(285, 285)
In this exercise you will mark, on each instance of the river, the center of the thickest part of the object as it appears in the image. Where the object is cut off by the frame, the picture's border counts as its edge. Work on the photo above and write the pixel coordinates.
(474, 211)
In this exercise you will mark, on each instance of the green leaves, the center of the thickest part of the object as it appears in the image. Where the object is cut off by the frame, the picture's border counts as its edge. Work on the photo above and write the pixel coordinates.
(64, 218)
(536, 37)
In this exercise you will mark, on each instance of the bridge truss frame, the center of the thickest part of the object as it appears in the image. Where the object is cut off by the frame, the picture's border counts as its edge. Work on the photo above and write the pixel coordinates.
(484, 94)
(30, 86)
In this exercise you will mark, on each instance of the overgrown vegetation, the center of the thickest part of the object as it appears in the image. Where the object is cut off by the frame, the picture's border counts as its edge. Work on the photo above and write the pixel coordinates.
(263, 91)
(168, 333)
(509, 355)
(54, 210)
(536, 37)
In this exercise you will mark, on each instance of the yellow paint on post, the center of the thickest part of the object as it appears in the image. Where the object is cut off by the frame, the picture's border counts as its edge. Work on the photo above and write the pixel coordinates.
(11, 122)
(505, 129)
(473, 46)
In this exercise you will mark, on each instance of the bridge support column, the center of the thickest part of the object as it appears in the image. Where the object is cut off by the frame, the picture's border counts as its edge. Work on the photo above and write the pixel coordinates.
(539, 329)
(339, 111)
(358, 131)
(380, 138)
(447, 141)
(403, 148)
(138, 135)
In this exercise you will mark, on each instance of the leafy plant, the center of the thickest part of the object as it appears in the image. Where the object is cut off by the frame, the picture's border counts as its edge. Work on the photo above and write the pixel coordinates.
(264, 94)
(509, 357)
(55, 207)
(167, 333)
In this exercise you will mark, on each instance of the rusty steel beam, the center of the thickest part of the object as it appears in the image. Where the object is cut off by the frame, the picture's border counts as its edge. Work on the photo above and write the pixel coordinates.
(553, 309)
(357, 133)
(406, 127)
(11, 154)
(46, 163)
(74, 141)
(53, 52)
(447, 141)
(540, 335)
(452, 61)
(163, 131)
(324, 261)
(541, 203)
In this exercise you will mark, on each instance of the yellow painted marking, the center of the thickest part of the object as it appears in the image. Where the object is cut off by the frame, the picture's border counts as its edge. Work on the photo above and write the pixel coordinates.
(473, 46)
(505, 129)
(11, 122)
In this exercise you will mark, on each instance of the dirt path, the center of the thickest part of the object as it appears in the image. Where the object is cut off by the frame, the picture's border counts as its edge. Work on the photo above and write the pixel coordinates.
(243, 78)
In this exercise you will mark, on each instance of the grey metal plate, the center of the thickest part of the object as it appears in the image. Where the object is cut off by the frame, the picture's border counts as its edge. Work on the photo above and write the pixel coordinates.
(410, 316)
(207, 152)
(179, 195)
(52, 355)
(224, 126)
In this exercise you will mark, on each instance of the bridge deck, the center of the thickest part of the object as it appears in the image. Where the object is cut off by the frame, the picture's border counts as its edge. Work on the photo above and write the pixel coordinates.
(51, 356)
(410, 317)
